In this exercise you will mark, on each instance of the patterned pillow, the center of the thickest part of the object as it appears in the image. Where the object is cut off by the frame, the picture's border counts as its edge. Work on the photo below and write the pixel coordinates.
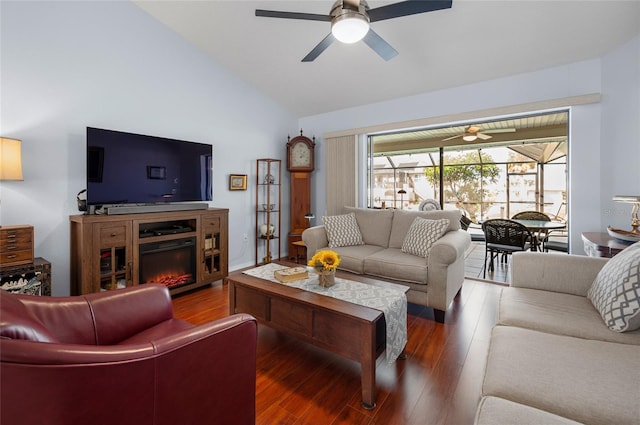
(342, 230)
(615, 292)
(422, 234)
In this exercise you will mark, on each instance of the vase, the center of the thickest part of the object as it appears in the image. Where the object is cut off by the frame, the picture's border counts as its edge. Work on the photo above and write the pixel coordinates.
(326, 278)
(267, 230)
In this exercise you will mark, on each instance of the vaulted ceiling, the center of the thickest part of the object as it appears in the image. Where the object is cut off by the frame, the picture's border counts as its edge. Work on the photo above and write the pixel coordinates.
(475, 40)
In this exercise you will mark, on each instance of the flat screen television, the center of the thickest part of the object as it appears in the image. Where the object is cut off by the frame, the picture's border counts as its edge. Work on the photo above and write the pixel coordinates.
(126, 168)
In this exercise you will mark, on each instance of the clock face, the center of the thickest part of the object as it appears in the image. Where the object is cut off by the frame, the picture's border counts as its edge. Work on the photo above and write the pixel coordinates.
(300, 155)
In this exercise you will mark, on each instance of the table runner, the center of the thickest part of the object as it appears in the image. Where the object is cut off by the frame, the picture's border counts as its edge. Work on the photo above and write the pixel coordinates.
(386, 298)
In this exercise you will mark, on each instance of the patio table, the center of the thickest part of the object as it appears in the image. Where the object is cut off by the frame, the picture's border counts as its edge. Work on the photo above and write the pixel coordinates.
(540, 228)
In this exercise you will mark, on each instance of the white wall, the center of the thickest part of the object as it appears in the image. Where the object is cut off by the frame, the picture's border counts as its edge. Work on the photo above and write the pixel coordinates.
(620, 147)
(599, 141)
(69, 65)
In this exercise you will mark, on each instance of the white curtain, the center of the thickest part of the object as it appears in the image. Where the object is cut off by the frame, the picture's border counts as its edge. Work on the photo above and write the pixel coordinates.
(342, 173)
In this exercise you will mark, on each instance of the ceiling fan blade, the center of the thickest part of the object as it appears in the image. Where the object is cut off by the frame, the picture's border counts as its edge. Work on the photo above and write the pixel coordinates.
(500, 130)
(450, 138)
(380, 46)
(483, 136)
(292, 15)
(321, 47)
(406, 8)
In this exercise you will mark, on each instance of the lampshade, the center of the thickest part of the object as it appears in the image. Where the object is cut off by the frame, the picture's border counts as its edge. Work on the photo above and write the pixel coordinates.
(10, 159)
(350, 26)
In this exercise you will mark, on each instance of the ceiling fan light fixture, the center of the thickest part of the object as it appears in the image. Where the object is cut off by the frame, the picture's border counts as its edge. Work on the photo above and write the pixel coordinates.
(469, 137)
(350, 26)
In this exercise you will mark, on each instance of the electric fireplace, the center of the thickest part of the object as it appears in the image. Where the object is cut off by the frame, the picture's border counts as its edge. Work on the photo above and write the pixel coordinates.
(171, 263)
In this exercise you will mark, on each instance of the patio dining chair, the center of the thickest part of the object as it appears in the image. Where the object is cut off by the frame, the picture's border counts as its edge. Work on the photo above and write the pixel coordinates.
(556, 240)
(541, 237)
(503, 237)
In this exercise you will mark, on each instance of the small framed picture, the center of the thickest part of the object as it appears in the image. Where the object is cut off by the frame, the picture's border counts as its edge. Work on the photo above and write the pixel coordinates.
(237, 182)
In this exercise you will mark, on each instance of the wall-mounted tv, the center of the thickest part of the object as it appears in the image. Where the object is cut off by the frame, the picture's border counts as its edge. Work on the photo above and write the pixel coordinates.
(126, 168)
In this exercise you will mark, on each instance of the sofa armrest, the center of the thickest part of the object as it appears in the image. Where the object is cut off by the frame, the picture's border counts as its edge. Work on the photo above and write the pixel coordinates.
(119, 314)
(315, 238)
(449, 248)
(565, 273)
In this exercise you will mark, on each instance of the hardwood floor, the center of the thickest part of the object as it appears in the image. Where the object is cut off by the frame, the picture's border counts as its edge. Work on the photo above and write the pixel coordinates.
(438, 383)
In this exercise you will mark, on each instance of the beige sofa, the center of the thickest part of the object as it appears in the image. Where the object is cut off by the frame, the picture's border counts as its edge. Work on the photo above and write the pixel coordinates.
(552, 360)
(433, 281)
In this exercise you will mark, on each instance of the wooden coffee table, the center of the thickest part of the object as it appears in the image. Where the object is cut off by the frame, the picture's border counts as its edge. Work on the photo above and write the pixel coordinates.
(349, 330)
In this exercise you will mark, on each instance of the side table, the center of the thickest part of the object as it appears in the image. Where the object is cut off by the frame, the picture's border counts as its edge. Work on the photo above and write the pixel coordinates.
(600, 244)
(32, 278)
(300, 246)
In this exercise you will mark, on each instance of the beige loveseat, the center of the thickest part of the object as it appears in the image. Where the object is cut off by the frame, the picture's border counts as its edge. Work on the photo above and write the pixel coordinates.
(552, 359)
(433, 280)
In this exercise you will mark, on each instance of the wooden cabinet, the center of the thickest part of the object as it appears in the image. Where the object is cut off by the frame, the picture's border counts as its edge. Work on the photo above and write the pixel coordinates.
(214, 265)
(114, 245)
(32, 279)
(183, 250)
(16, 245)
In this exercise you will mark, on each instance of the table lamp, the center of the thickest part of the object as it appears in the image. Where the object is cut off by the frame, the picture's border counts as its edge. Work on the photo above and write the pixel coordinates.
(635, 200)
(309, 216)
(10, 159)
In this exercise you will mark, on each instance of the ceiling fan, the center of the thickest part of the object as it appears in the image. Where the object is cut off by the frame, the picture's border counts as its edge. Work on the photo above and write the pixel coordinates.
(350, 21)
(472, 133)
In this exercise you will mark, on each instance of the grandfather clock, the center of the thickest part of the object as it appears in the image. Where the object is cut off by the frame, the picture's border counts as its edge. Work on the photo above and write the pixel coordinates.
(300, 164)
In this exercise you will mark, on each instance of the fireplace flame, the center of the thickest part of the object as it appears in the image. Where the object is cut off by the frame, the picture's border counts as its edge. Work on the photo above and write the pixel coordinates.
(171, 280)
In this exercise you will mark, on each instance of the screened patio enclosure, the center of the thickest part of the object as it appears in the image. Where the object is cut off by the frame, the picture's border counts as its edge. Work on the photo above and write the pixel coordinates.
(512, 165)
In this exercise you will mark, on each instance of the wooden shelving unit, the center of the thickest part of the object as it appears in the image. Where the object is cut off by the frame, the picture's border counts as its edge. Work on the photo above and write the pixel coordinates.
(268, 209)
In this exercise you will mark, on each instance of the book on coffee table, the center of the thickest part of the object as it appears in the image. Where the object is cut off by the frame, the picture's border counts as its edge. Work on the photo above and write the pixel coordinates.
(291, 274)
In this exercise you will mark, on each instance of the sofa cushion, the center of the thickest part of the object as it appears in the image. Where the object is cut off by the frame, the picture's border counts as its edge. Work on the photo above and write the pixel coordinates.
(342, 230)
(498, 411)
(352, 257)
(402, 221)
(558, 313)
(392, 263)
(615, 292)
(422, 234)
(588, 381)
(375, 225)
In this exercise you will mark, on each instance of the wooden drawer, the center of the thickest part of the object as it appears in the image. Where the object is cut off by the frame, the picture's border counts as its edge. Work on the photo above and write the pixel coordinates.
(16, 257)
(113, 235)
(16, 245)
(211, 224)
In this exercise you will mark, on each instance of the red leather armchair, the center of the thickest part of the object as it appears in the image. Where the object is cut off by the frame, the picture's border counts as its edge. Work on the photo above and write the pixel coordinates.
(120, 357)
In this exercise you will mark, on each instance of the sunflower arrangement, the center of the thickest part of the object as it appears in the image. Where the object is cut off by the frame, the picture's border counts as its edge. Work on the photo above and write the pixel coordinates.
(325, 260)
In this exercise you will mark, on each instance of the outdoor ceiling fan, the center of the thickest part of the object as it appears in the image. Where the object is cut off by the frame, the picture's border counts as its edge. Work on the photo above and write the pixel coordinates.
(350, 21)
(472, 133)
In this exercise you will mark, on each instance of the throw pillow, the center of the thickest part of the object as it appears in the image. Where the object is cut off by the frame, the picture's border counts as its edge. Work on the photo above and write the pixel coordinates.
(422, 234)
(342, 230)
(615, 292)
